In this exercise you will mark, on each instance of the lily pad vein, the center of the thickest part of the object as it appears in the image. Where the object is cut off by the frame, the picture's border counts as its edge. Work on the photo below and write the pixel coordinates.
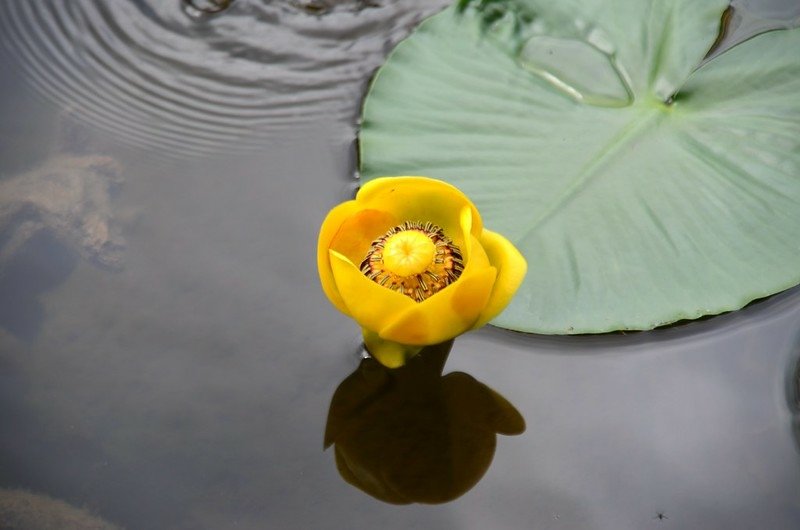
(633, 132)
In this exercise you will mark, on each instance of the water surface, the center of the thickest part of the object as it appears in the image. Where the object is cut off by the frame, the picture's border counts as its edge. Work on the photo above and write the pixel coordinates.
(185, 383)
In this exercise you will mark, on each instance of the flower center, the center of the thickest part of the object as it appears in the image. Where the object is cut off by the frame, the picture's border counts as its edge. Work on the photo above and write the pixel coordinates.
(408, 252)
(414, 259)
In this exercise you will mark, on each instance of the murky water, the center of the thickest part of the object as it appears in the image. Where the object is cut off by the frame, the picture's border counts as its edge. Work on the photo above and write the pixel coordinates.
(167, 358)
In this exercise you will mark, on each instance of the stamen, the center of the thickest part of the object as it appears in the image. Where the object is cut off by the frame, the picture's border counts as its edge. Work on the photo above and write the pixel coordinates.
(415, 259)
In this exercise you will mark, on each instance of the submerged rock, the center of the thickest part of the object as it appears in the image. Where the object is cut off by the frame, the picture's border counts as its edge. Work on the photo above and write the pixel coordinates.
(69, 197)
(22, 510)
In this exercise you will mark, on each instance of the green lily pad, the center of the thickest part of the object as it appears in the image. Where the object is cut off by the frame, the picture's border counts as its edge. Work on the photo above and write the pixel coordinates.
(640, 189)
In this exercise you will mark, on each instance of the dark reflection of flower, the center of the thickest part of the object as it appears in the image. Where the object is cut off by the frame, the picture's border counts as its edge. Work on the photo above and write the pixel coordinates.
(411, 434)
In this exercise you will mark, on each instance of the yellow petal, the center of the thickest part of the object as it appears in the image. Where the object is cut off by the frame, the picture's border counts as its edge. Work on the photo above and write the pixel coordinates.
(471, 249)
(448, 313)
(511, 268)
(456, 308)
(388, 353)
(371, 305)
(330, 227)
(357, 232)
(419, 199)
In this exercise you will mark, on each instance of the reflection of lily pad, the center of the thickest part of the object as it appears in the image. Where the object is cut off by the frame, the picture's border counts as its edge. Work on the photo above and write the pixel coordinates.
(641, 193)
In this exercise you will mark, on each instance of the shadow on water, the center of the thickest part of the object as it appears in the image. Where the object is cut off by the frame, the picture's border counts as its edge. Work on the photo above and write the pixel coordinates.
(414, 435)
(621, 341)
(793, 391)
(41, 265)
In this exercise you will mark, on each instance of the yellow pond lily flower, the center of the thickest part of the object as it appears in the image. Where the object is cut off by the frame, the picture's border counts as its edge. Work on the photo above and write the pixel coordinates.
(409, 260)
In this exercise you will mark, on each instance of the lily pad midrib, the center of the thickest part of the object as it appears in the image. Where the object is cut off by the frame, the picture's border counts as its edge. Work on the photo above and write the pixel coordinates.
(647, 118)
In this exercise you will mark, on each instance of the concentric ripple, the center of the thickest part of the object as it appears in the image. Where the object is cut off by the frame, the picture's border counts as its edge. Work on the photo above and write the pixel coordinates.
(152, 75)
(217, 74)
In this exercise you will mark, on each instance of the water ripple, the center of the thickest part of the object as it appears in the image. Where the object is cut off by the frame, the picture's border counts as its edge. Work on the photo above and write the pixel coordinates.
(257, 71)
